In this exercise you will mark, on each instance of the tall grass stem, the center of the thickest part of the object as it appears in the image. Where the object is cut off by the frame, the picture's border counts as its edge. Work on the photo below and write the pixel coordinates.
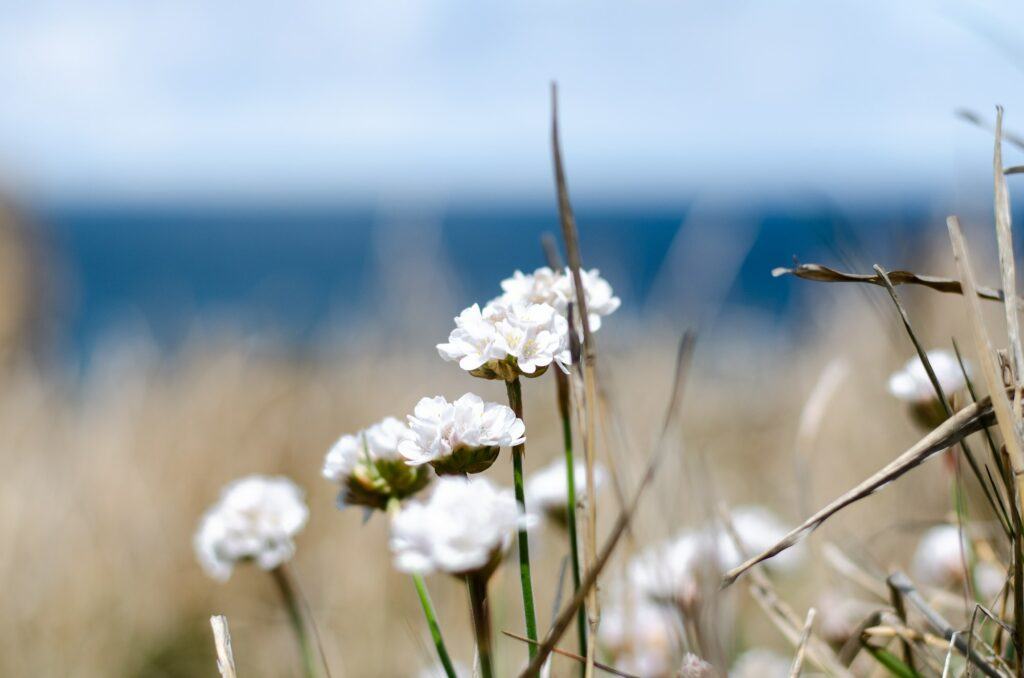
(428, 609)
(290, 598)
(570, 504)
(515, 401)
(477, 585)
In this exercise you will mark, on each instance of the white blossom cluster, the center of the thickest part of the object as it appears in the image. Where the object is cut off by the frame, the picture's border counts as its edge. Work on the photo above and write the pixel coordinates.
(939, 562)
(463, 527)
(641, 639)
(525, 330)
(461, 436)
(369, 468)
(548, 491)
(912, 384)
(255, 519)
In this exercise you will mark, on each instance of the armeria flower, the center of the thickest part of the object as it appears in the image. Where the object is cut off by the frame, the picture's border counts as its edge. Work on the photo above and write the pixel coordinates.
(761, 663)
(460, 437)
(462, 529)
(506, 340)
(548, 490)
(640, 638)
(370, 469)
(939, 562)
(255, 519)
(912, 385)
(545, 286)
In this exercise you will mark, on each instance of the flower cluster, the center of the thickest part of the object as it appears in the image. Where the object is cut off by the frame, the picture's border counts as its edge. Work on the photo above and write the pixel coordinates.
(557, 289)
(369, 467)
(912, 385)
(674, 571)
(255, 519)
(640, 638)
(548, 491)
(460, 437)
(939, 562)
(506, 340)
(463, 528)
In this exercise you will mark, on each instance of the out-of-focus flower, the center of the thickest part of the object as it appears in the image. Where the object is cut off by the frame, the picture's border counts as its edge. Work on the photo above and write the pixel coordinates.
(639, 638)
(255, 519)
(369, 467)
(839, 616)
(912, 385)
(460, 437)
(670, 572)
(462, 529)
(695, 667)
(545, 286)
(939, 562)
(507, 340)
(548, 491)
(759, 529)
(761, 663)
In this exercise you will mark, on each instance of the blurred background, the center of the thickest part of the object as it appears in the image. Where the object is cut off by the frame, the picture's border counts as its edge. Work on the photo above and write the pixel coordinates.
(231, 232)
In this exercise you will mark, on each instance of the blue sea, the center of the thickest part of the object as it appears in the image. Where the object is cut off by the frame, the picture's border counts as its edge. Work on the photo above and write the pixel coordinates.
(293, 269)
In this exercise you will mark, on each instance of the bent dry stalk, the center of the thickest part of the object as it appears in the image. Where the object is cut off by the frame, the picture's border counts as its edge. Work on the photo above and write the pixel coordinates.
(286, 587)
(477, 585)
(515, 401)
(428, 609)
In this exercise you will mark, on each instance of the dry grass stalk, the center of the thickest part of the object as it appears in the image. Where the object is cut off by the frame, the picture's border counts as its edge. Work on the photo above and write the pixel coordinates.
(819, 273)
(572, 249)
(798, 660)
(572, 655)
(222, 642)
(972, 418)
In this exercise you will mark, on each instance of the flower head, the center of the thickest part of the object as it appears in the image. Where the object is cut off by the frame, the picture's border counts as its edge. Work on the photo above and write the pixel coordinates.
(640, 638)
(695, 667)
(548, 490)
(255, 519)
(545, 286)
(506, 340)
(939, 562)
(913, 385)
(463, 528)
(369, 467)
(670, 572)
(460, 437)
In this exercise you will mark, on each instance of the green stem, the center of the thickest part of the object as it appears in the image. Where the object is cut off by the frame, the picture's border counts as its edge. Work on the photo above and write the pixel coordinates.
(570, 505)
(515, 401)
(291, 604)
(428, 608)
(477, 585)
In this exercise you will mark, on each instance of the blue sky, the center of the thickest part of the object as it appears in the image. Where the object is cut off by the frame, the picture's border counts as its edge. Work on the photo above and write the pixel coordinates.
(413, 99)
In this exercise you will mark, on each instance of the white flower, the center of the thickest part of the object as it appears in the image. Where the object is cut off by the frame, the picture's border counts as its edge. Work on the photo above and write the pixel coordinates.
(912, 384)
(758, 529)
(548, 490)
(640, 638)
(669, 572)
(505, 340)
(939, 562)
(544, 286)
(256, 518)
(369, 467)
(462, 528)
(761, 663)
(460, 437)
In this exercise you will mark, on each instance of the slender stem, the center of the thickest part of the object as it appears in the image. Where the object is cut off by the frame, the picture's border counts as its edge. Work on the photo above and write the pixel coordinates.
(570, 503)
(477, 585)
(428, 608)
(291, 604)
(515, 401)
